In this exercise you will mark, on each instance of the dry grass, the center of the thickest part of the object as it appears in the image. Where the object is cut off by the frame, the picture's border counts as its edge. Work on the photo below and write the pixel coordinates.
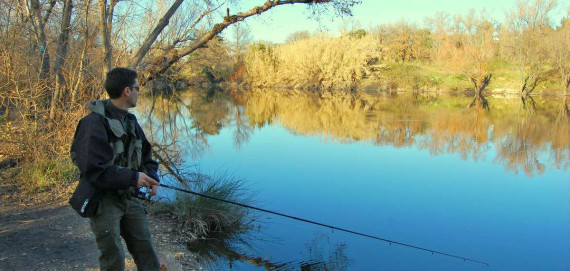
(323, 62)
(201, 217)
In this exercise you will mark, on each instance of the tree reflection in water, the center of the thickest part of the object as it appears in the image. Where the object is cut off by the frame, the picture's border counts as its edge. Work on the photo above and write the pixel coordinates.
(221, 249)
(181, 123)
(438, 123)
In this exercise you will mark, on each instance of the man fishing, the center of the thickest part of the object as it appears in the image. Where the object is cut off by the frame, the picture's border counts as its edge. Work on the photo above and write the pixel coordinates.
(115, 160)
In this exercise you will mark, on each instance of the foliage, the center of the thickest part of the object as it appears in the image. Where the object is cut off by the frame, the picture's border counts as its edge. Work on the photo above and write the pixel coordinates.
(358, 34)
(297, 36)
(208, 65)
(402, 42)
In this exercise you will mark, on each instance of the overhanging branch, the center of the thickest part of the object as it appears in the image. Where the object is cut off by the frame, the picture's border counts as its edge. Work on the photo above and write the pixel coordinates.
(162, 63)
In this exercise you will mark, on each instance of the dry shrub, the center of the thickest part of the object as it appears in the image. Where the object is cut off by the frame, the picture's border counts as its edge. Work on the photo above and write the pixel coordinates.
(39, 145)
(201, 217)
(322, 62)
(42, 149)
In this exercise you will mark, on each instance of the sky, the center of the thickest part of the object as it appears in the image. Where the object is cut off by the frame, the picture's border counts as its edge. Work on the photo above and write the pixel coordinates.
(278, 23)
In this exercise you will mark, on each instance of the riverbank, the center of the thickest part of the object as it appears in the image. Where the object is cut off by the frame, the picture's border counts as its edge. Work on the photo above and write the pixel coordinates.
(40, 231)
(51, 236)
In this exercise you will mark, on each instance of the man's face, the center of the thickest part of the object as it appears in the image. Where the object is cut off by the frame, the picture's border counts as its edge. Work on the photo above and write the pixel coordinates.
(134, 94)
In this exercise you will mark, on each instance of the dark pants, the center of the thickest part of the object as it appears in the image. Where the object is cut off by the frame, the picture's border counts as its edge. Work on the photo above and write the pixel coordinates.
(119, 216)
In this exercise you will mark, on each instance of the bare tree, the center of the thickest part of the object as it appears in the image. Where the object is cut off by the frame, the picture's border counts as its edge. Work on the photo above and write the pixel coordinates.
(469, 49)
(106, 25)
(297, 36)
(528, 23)
(62, 47)
(164, 21)
(241, 37)
(158, 65)
(87, 39)
(559, 48)
(439, 27)
(34, 10)
(478, 51)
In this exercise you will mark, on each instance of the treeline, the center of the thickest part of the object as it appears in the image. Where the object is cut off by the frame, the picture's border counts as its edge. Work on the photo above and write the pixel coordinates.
(54, 55)
(524, 51)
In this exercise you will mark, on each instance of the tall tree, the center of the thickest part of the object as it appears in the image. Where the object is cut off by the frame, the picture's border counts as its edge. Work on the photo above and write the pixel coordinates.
(559, 48)
(240, 38)
(106, 25)
(478, 50)
(62, 47)
(528, 22)
(34, 10)
(87, 40)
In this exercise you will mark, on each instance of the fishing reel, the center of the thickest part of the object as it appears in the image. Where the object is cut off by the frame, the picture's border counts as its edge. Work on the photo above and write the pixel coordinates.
(143, 194)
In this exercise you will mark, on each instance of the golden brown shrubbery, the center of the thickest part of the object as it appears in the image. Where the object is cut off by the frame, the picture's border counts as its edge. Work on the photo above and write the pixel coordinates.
(322, 62)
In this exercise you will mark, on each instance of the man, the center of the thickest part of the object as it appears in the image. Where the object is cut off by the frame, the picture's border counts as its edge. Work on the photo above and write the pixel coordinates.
(114, 159)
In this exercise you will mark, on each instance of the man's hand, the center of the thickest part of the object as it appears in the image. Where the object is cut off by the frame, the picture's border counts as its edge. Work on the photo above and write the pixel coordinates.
(146, 181)
(154, 190)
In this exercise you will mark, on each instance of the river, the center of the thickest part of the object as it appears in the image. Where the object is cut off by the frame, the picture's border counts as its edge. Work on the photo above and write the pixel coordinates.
(423, 170)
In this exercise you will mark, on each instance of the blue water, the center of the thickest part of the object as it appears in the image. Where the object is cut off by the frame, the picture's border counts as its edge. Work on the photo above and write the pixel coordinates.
(475, 209)
(444, 203)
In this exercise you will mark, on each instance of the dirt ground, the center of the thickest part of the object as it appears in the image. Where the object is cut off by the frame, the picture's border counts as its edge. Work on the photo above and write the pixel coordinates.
(51, 236)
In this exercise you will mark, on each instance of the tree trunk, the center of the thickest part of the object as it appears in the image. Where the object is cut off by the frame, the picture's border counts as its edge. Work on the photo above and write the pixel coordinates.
(105, 36)
(566, 85)
(164, 21)
(62, 47)
(480, 83)
(565, 102)
(162, 63)
(38, 24)
(86, 37)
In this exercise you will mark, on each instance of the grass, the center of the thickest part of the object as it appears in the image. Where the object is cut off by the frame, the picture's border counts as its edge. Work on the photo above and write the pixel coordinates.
(40, 148)
(211, 228)
(47, 174)
(200, 217)
(418, 76)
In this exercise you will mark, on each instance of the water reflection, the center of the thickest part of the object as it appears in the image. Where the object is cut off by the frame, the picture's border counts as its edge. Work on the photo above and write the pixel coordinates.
(325, 256)
(522, 141)
(223, 252)
(526, 141)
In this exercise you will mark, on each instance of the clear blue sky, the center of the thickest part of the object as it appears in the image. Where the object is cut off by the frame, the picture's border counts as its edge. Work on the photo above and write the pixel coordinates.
(276, 24)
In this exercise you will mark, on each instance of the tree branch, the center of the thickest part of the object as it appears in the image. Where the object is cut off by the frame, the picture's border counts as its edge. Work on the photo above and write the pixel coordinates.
(161, 64)
(164, 21)
(48, 13)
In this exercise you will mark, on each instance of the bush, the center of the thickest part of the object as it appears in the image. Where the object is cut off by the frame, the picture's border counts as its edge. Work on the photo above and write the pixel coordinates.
(200, 217)
(316, 63)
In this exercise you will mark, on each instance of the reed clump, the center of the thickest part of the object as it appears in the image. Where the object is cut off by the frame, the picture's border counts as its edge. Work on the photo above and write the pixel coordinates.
(199, 217)
(321, 62)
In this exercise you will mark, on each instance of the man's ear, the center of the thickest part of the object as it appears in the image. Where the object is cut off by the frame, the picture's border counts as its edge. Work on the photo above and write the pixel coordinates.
(127, 91)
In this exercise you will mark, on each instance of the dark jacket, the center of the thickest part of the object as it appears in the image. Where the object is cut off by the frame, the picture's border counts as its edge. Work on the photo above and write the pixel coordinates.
(102, 165)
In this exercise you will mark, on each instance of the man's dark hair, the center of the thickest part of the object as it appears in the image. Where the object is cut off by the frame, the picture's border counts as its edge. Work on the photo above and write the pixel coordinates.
(118, 79)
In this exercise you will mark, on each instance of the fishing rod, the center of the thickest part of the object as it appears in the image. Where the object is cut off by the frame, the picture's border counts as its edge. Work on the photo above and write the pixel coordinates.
(325, 225)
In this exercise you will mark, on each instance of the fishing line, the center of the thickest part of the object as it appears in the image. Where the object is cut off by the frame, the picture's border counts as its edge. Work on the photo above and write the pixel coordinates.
(327, 226)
